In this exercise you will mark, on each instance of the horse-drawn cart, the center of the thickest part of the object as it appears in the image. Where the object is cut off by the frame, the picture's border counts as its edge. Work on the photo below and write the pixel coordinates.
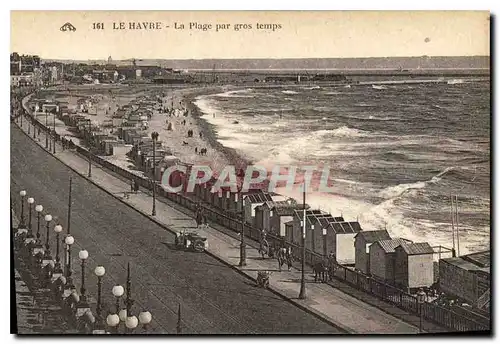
(191, 241)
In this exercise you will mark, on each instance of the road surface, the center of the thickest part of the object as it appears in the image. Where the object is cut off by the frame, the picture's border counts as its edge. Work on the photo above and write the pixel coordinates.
(213, 297)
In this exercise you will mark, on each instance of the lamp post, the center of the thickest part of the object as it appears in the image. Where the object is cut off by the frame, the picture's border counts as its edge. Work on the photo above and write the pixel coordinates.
(243, 246)
(302, 293)
(113, 319)
(144, 319)
(90, 144)
(69, 240)
(48, 219)
(421, 296)
(46, 134)
(54, 144)
(22, 193)
(99, 272)
(58, 230)
(83, 255)
(31, 201)
(154, 136)
(38, 209)
(131, 320)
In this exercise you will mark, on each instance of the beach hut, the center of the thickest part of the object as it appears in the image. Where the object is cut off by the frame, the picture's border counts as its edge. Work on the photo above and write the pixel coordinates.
(414, 266)
(362, 242)
(383, 259)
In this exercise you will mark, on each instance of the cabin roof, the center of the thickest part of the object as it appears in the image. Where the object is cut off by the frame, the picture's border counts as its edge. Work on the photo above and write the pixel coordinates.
(482, 259)
(389, 245)
(373, 236)
(464, 264)
(416, 248)
(258, 197)
(345, 227)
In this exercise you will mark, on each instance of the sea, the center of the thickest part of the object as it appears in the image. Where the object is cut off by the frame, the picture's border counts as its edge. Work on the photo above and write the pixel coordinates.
(396, 152)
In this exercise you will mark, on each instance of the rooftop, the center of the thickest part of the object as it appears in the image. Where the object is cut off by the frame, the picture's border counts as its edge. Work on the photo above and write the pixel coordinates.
(464, 264)
(389, 245)
(416, 248)
(481, 259)
(373, 236)
(346, 227)
(259, 197)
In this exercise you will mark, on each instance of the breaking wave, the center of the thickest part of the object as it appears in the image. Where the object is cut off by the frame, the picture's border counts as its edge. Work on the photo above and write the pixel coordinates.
(343, 131)
(289, 92)
(392, 192)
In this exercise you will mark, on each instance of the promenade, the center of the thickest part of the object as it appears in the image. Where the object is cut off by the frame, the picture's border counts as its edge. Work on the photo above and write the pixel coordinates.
(337, 307)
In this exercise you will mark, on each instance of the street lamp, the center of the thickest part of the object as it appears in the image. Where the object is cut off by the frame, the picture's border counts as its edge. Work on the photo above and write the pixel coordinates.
(421, 296)
(69, 240)
(58, 230)
(154, 136)
(48, 219)
(83, 255)
(243, 247)
(31, 201)
(54, 145)
(302, 293)
(89, 137)
(22, 193)
(38, 209)
(145, 318)
(46, 134)
(113, 319)
(99, 272)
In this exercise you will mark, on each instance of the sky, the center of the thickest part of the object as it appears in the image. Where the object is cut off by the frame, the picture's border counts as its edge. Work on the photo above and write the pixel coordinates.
(304, 34)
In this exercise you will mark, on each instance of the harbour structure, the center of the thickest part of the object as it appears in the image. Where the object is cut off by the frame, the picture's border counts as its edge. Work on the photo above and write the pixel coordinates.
(467, 277)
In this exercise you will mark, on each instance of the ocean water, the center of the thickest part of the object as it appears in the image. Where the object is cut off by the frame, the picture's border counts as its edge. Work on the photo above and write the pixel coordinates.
(395, 152)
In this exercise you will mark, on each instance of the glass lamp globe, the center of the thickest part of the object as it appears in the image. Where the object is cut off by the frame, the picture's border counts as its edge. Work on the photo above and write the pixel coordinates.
(22, 193)
(123, 315)
(131, 322)
(39, 208)
(48, 217)
(83, 254)
(118, 291)
(99, 271)
(69, 240)
(31, 200)
(145, 318)
(58, 229)
(112, 320)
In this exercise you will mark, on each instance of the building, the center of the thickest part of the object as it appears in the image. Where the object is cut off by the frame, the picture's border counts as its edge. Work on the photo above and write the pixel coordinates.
(339, 239)
(383, 259)
(272, 216)
(414, 266)
(138, 73)
(362, 242)
(252, 201)
(467, 277)
(18, 80)
(53, 74)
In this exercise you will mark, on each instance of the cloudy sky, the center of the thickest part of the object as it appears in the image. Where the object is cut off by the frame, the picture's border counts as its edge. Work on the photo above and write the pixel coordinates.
(311, 34)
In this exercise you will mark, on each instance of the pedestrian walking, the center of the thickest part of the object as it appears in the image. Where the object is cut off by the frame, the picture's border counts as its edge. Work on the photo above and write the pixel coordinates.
(196, 150)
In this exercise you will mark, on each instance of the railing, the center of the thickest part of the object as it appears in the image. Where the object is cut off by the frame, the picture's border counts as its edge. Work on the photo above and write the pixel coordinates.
(432, 312)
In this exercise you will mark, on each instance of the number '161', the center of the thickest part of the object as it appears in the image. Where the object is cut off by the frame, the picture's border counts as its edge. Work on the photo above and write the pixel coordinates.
(98, 26)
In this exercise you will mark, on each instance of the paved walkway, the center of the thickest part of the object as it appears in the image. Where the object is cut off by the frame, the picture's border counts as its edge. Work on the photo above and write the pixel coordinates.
(330, 303)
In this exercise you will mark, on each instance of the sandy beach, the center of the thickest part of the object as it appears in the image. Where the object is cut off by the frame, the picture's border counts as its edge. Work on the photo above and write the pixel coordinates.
(187, 149)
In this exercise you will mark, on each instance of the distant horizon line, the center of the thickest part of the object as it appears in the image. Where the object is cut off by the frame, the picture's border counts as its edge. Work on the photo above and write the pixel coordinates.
(259, 58)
